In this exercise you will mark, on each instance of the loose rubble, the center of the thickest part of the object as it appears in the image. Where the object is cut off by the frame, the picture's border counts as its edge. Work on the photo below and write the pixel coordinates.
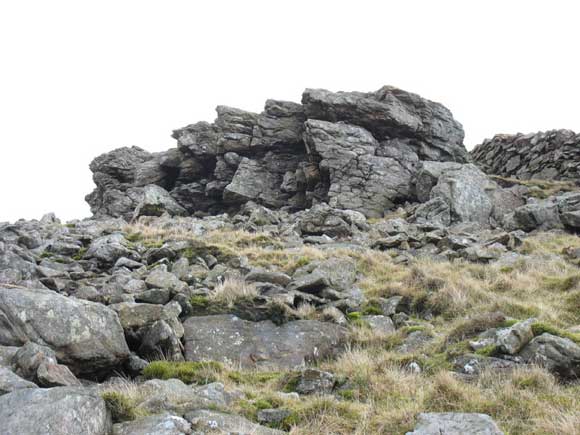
(335, 266)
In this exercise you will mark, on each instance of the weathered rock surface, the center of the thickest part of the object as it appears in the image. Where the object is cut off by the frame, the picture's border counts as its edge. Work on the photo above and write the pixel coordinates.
(10, 381)
(390, 113)
(359, 172)
(85, 336)
(355, 151)
(551, 155)
(557, 354)
(54, 411)
(220, 423)
(164, 424)
(260, 344)
(450, 423)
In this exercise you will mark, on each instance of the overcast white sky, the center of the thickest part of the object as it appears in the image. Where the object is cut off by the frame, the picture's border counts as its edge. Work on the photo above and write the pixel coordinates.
(79, 78)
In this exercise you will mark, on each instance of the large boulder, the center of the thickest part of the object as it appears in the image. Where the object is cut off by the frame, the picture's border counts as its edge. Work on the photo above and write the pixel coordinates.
(108, 249)
(455, 423)
(260, 180)
(155, 201)
(393, 113)
(323, 219)
(86, 336)
(54, 411)
(557, 354)
(260, 344)
(465, 190)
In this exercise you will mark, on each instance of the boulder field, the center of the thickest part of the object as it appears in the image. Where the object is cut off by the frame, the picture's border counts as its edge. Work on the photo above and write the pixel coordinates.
(337, 266)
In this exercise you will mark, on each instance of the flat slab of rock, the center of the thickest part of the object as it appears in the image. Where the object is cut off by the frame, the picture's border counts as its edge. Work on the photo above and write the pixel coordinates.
(86, 336)
(54, 411)
(220, 423)
(454, 423)
(156, 424)
(227, 338)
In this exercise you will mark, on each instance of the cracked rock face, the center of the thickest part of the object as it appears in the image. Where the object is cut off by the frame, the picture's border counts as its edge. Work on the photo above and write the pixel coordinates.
(352, 150)
(358, 177)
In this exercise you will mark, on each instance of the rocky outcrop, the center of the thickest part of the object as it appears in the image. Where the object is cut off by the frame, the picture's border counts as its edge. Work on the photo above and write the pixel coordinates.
(391, 114)
(355, 151)
(551, 155)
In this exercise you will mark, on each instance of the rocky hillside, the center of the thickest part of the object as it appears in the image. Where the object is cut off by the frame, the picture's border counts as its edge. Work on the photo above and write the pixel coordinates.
(366, 279)
(553, 155)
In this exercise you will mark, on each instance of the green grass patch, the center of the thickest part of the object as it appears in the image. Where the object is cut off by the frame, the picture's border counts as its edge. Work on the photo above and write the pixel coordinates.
(121, 407)
(203, 372)
(540, 328)
(372, 308)
(562, 283)
(79, 255)
(489, 350)
(255, 378)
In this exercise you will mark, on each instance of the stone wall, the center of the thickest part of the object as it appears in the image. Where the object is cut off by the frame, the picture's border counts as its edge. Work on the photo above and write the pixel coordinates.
(551, 155)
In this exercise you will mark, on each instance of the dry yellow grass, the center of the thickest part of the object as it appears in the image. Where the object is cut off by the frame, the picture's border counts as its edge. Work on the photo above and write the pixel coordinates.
(380, 393)
(231, 289)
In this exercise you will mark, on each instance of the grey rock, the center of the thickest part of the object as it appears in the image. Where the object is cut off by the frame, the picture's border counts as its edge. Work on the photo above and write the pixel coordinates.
(557, 354)
(154, 296)
(272, 416)
(7, 355)
(10, 381)
(435, 212)
(160, 278)
(511, 340)
(427, 176)
(260, 344)
(55, 375)
(55, 411)
(391, 112)
(164, 424)
(258, 275)
(313, 381)
(542, 215)
(323, 219)
(161, 341)
(30, 357)
(551, 155)
(359, 179)
(108, 249)
(172, 395)
(466, 191)
(134, 315)
(155, 201)
(382, 324)
(84, 335)
(455, 423)
(224, 424)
